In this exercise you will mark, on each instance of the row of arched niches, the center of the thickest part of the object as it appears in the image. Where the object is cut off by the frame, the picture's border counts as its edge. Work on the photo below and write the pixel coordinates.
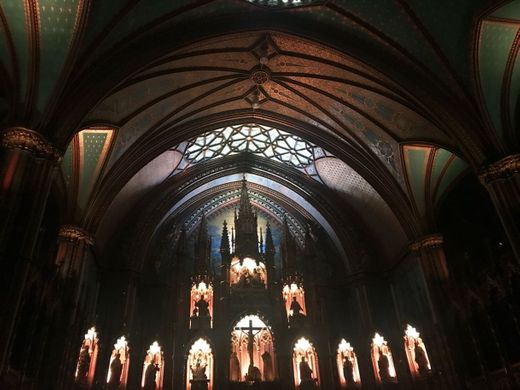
(252, 359)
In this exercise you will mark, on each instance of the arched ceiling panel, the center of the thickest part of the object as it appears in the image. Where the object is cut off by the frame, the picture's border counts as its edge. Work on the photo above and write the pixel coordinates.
(370, 207)
(341, 97)
(430, 170)
(450, 24)
(84, 162)
(14, 13)
(58, 23)
(499, 69)
(154, 173)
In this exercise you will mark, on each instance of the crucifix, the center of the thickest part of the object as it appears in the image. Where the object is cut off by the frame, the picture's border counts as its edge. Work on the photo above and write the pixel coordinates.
(251, 332)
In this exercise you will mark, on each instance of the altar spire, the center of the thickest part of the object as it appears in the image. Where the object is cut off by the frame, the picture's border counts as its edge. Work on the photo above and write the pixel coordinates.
(202, 249)
(246, 226)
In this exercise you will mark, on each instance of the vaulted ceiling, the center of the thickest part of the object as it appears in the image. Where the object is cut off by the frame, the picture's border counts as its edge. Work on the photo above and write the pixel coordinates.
(397, 99)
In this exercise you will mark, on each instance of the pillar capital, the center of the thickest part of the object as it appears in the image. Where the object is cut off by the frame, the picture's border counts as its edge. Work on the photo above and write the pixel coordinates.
(501, 169)
(74, 233)
(429, 241)
(29, 141)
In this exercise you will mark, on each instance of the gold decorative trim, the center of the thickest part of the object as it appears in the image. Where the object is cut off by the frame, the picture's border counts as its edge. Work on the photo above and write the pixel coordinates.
(30, 141)
(501, 169)
(73, 233)
(431, 241)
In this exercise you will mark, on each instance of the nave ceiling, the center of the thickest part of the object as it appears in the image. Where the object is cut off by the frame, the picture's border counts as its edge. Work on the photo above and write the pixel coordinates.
(394, 93)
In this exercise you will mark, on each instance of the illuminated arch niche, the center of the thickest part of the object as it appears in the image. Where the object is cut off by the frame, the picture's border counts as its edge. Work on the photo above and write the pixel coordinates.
(118, 365)
(291, 292)
(382, 360)
(252, 356)
(305, 365)
(348, 369)
(205, 291)
(247, 273)
(86, 366)
(199, 366)
(416, 353)
(153, 367)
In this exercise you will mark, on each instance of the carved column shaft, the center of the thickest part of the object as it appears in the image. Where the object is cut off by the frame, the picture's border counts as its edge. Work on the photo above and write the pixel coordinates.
(502, 181)
(27, 167)
(430, 252)
(71, 259)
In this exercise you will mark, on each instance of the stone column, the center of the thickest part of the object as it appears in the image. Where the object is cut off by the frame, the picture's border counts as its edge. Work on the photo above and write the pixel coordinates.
(502, 181)
(27, 167)
(71, 259)
(430, 253)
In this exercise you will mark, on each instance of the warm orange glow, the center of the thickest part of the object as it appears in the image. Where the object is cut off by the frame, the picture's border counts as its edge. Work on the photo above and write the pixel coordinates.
(121, 352)
(382, 360)
(290, 292)
(248, 273)
(153, 366)
(199, 365)
(86, 365)
(10, 171)
(201, 290)
(305, 362)
(346, 360)
(416, 353)
(252, 351)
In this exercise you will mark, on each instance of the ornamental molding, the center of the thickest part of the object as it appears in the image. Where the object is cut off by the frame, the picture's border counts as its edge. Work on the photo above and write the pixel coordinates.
(29, 141)
(427, 242)
(74, 233)
(501, 169)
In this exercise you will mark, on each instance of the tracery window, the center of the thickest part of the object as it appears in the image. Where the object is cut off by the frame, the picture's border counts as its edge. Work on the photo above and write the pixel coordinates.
(416, 353)
(86, 365)
(153, 368)
(199, 366)
(382, 360)
(283, 3)
(348, 368)
(261, 140)
(252, 351)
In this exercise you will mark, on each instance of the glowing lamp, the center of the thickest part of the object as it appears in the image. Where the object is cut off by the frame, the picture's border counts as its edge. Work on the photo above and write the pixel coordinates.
(91, 334)
(412, 332)
(121, 343)
(344, 346)
(154, 348)
(302, 344)
(378, 340)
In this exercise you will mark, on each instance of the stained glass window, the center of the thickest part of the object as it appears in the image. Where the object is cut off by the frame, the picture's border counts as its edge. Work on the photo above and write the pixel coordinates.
(283, 3)
(256, 139)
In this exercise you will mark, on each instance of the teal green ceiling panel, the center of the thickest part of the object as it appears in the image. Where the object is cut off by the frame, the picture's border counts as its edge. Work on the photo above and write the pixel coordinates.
(391, 20)
(101, 13)
(5, 54)
(15, 14)
(452, 172)
(94, 146)
(514, 104)
(495, 44)
(508, 11)
(416, 161)
(57, 25)
(66, 165)
(442, 156)
(451, 24)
